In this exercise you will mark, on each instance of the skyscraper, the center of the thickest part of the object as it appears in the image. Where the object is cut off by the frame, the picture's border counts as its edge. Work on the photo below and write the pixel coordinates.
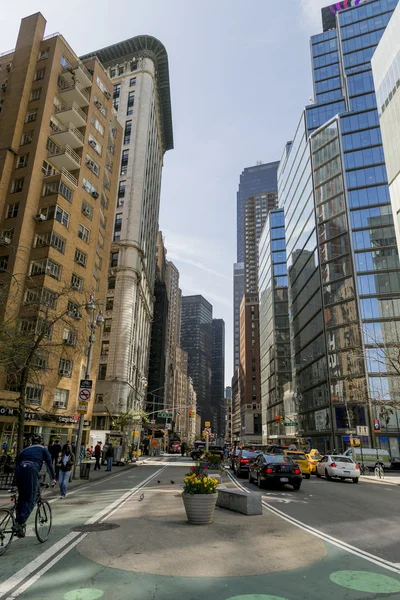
(57, 192)
(238, 291)
(196, 340)
(139, 70)
(218, 377)
(344, 271)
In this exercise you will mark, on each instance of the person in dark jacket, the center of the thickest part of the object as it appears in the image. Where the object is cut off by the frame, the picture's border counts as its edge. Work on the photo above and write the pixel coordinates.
(97, 456)
(66, 462)
(55, 451)
(29, 464)
(109, 457)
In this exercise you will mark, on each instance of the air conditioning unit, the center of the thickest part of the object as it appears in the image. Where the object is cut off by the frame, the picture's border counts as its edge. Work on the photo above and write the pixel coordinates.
(8, 67)
(39, 217)
(4, 240)
(86, 211)
(64, 373)
(107, 94)
(89, 163)
(59, 404)
(95, 195)
(4, 87)
(92, 143)
(98, 104)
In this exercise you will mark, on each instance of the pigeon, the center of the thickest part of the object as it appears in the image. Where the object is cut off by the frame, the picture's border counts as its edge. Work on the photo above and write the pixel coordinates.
(141, 498)
(158, 481)
(172, 482)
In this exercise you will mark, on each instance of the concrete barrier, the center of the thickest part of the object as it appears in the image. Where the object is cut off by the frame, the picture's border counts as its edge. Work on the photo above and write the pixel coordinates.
(247, 504)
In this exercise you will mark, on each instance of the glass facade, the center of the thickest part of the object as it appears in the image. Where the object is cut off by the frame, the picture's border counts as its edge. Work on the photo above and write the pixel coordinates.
(343, 266)
(275, 363)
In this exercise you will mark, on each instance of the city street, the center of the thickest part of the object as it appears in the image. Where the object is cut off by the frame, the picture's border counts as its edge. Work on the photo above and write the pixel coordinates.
(126, 537)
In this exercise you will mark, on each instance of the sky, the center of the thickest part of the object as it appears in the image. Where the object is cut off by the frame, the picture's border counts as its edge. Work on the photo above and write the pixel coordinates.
(240, 75)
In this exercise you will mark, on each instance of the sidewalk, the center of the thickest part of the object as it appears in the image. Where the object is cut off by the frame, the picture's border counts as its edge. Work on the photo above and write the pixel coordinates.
(391, 478)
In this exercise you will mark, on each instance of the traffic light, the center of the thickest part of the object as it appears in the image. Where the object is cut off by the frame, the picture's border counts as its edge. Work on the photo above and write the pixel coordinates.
(191, 414)
(277, 418)
(281, 420)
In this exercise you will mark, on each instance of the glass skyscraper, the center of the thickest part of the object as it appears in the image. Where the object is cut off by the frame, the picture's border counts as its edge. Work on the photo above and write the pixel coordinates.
(343, 267)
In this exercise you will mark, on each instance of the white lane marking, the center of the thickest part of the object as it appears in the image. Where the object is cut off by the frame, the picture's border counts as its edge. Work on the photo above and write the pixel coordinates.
(7, 586)
(385, 564)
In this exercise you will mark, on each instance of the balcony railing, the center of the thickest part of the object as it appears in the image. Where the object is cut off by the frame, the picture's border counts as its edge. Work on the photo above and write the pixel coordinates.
(77, 67)
(71, 106)
(73, 160)
(66, 88)
(64, 173)
(69, 128)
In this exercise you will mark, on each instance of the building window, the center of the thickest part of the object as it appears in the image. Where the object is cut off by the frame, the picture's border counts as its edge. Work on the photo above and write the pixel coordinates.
(65, 367)
(34, 394)
(110, 299)
(39, 74)
(100, 106)
(97, 125)
(124, 162)
(73, 310)
(107, 325)
(26, 137)
(43, 54)
(61, 398)
(50, 238)
(17, 185)
(87, 210)
(35, 94)
(127, 133)
(90, 188)
(112, 72)
(92, 165)
(62, 216)
(22, 161)
(131, 102)
(121, 193)
(76, 282)
(121, 70)
(117, 227)
(70, 337)
(99, 400)
(63, 62)
(102, 372)
(103, 87)
(83, 233)
(45, 266)
(31, 116)
(134, 65)
(116, 95)
(12, 210)
(111, 283)
(80, 257)
(114, 259)
(105, 346)
(3, 263)
(93, 143)
(132, 82)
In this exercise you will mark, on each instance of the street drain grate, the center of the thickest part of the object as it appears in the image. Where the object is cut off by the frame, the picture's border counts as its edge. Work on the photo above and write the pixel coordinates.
(95, 527)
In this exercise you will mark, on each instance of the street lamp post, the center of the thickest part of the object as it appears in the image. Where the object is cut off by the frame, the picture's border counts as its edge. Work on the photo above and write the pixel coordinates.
(94, 321)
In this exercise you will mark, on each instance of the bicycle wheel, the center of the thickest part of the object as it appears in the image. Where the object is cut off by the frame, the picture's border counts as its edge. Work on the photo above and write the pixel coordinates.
(6, 529)
(43, 520)
(379, 473)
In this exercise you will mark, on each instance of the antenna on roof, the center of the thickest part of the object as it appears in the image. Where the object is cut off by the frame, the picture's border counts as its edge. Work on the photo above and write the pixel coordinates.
(259, 162)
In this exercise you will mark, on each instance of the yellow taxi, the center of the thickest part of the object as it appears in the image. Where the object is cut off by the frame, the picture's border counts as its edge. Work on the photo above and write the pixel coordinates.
(301, 459)
(313, 458)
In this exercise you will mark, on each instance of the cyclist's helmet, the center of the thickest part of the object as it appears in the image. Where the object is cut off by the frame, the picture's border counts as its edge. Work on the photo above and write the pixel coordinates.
(36, 438)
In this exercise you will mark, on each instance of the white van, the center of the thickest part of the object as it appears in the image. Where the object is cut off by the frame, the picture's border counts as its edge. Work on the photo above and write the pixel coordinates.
(370, 456)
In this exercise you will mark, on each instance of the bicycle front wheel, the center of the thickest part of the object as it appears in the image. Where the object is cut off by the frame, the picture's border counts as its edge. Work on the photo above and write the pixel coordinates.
(6, 529)
(43, 520)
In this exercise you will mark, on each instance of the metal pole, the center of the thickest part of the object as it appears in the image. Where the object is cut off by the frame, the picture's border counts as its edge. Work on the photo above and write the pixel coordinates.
(82, 417)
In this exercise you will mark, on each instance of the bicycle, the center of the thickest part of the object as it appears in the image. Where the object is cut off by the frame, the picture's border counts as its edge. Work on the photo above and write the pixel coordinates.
(364, 470)
(379, 472)
(43, 519)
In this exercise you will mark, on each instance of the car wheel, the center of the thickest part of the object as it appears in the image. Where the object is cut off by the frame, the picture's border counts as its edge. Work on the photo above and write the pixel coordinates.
(259, 482)
(328, 477)
(317, 474)
(296, 486)
(308, 476)
(355, 479)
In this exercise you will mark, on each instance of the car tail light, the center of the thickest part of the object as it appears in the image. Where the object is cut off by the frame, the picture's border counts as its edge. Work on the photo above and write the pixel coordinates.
(333, 465)
(358, 467)
(244, 460)
(297, 471)
(269, 470)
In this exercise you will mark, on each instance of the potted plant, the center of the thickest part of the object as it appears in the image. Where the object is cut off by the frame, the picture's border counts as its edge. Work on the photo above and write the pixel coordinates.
(199, 496)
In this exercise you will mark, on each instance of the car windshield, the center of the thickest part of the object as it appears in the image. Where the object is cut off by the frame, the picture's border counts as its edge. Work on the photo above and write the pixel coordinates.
(277, 458)
(296, 455)
(343, 459)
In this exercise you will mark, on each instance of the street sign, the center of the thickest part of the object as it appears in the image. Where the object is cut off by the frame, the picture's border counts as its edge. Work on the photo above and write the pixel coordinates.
(207, 424)
(362, 430)
(83, 408)
(84, 395)
(377, 426)
(291, 424)
(86, 383)
(165, 415)
(153, 422)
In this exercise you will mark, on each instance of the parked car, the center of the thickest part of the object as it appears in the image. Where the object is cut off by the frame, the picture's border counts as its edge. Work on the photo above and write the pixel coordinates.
(174, 448)
(277, 469)
(198, 450)
(243, 461)
(301, 459)
(371, 457)
(340, 466)
(313, 458)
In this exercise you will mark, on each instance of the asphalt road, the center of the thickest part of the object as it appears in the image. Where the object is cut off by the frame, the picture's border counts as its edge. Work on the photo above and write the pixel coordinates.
(135, 561)
(366, 515)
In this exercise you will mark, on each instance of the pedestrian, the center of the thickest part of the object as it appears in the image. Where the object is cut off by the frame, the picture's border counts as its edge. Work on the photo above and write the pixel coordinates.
(66, 462)
(109, 456)
(97, 456)
(55, 451)
(183, 448)
(226, 453)
(82, 454)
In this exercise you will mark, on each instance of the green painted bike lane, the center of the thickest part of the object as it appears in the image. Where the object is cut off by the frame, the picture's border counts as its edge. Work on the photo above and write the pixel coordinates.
(75, 510)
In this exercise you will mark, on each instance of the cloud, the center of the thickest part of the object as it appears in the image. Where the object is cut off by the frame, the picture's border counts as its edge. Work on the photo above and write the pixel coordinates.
(194, 263)
(311, 14)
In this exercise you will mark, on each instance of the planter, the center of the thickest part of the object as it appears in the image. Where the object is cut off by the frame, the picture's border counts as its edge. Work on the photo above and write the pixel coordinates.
(199, 507)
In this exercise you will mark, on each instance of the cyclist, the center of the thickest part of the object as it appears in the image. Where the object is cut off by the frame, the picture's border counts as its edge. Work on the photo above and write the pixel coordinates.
(29, 465)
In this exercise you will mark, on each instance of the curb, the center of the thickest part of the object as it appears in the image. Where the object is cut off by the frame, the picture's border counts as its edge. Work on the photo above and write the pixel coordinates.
(372, 479)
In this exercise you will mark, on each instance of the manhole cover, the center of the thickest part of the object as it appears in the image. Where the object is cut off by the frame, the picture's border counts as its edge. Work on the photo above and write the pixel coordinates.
(95, 527)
